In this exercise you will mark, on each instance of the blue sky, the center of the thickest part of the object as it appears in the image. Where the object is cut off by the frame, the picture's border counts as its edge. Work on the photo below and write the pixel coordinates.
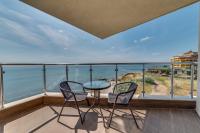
(28, 35)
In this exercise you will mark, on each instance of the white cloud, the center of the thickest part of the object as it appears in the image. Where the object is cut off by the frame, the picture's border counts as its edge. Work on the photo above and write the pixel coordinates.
(65, 48)
(22, 32)
(145, 38)
(10, 43)
(54, 36)
(61, 31)
(10, 12)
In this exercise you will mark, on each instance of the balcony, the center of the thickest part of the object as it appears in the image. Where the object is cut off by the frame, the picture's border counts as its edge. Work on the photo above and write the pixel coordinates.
(117, 32)
(159, 89)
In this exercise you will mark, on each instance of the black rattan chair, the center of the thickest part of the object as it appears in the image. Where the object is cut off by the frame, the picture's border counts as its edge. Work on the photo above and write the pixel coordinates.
(122, 94)
(71, 96)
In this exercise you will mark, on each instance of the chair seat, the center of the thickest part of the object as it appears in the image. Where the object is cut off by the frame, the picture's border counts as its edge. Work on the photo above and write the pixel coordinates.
(122, 99)
(79, 96)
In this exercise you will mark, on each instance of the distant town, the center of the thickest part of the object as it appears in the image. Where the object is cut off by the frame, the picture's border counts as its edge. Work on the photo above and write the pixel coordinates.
(189, 56)
(157, 78)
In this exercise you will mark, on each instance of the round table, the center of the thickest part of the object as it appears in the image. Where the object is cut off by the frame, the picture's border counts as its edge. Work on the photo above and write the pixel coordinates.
(97, 86)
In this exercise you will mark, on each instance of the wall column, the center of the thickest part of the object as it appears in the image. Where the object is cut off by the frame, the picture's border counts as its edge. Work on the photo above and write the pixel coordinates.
(198, 76)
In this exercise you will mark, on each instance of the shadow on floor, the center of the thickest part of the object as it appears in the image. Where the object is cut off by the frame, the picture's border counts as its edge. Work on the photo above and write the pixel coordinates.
(125, 123)
(90, 124)
(44, 119)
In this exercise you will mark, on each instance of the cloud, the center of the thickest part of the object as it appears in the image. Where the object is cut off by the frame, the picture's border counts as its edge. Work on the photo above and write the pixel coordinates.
(10, 43)
(61, 31)
(22, 27)
(10, 12)
(145, 38)
(65, 48)
(56, 36)
(13, 28)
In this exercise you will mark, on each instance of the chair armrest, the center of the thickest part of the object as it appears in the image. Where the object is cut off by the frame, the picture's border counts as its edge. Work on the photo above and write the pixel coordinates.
(75, 82)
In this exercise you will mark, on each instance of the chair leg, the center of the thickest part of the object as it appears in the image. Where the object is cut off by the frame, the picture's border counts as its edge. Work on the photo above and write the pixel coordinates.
(88, 103)
(61, 111)
(111, 115)
(86, 111)
(103, 118)
(133, 117)
(79, 112)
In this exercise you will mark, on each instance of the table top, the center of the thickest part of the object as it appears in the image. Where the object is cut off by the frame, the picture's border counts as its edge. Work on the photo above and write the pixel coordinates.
(97, 85)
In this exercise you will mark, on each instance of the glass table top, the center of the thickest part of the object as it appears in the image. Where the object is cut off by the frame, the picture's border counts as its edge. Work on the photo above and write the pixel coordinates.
(97, 85)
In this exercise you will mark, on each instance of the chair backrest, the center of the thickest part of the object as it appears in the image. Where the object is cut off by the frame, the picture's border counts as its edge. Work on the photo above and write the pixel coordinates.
(132, 89)
(66, 90)
(128, 88)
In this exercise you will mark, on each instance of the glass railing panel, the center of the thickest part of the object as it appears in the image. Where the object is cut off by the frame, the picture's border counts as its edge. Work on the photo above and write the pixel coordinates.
(157, 79)
(76, 87)
(54, 75)
(22, 82)
(79, 73)
(195, 81)
(182, 79)
(105, 72)
(131, 72)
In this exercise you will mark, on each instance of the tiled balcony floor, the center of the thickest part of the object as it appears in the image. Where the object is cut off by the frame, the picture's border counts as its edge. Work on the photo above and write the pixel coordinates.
(44, 120)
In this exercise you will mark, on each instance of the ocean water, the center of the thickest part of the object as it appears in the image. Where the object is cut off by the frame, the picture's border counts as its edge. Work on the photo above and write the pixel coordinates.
(24, 81)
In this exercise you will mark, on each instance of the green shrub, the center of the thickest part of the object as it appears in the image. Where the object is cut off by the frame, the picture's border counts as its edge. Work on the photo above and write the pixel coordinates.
(165, 71)
(149, 80)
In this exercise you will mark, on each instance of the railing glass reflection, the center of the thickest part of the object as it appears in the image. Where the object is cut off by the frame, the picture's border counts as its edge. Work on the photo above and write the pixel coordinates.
(154, 79)
(22, 81)
(54, 75)
(157, 79)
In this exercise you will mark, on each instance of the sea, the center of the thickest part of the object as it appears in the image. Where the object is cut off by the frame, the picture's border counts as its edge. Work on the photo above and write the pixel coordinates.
(23, 81)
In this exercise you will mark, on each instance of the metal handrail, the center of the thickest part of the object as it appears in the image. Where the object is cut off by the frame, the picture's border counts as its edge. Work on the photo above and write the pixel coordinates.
(119, 63)
(143, 64)
(1, 87)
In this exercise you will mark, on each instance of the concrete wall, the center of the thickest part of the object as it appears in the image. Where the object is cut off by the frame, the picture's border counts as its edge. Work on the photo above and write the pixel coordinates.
(198, 89)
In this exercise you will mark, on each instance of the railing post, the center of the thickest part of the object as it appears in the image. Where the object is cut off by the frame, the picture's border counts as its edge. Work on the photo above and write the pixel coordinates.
(1, 88)
(143, 79)
(91, 92)
(44, 79)
(90, 72)
(116, 73)
(172, 81)
(66, 70)
(192, 80)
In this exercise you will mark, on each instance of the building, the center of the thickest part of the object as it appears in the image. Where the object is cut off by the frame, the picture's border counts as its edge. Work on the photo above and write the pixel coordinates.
(40, 110)
(189, 56)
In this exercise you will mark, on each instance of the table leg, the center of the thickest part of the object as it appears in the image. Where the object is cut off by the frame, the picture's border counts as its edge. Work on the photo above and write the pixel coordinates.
(98, 105)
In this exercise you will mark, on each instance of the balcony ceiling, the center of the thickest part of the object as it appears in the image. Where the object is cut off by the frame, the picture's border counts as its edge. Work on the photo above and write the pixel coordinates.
(104, 18)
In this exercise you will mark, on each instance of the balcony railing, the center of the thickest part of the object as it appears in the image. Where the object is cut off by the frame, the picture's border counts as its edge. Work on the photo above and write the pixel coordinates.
(18, 81)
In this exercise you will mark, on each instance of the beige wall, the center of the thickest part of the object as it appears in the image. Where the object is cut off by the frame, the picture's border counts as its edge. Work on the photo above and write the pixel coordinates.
(198, 90)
